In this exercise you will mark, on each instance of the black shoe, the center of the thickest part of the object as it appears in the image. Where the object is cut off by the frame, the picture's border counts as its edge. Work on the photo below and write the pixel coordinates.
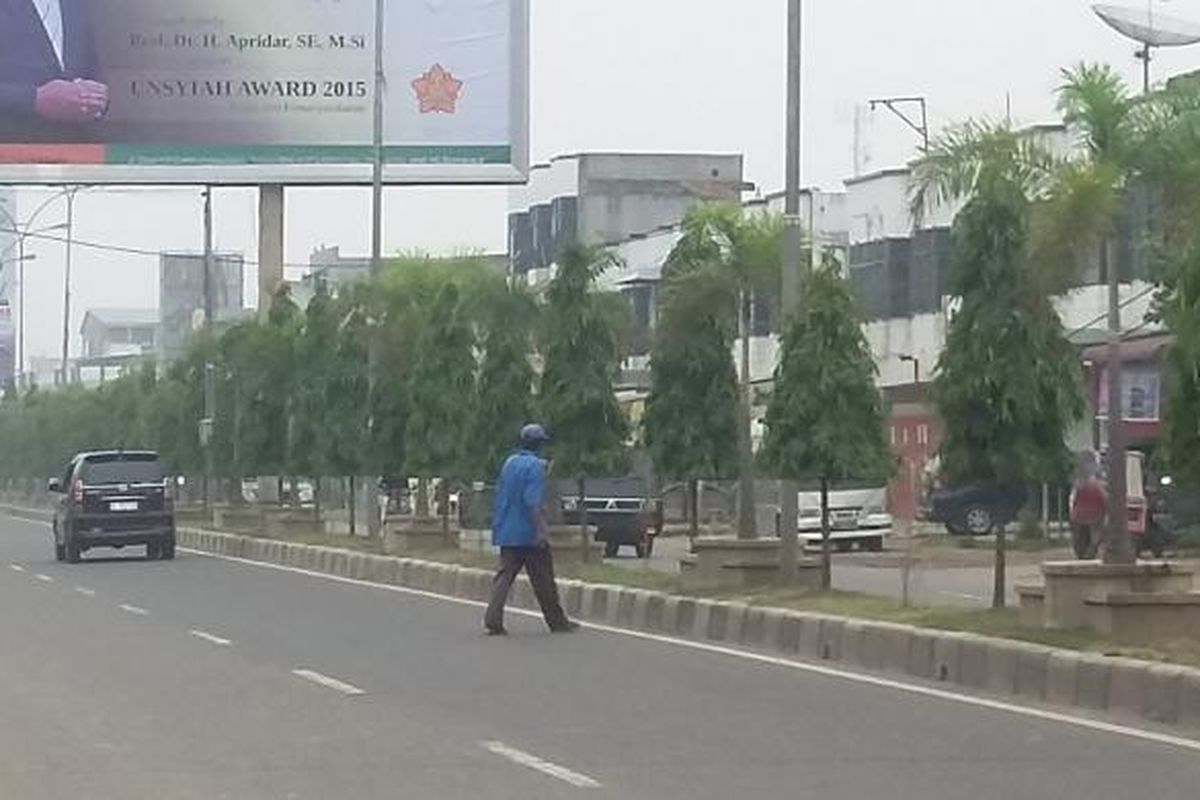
(569, 627)
(496, 632)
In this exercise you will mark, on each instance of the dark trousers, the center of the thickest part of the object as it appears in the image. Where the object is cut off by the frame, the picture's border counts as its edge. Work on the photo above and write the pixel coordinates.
(538, 563)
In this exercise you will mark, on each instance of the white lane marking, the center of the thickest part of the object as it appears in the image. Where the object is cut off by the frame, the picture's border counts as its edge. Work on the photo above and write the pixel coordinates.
(16, 567)
(141, 612)
(545, 767)
(85, 591)
(328, 682)
(210, 638)
(801, 666)
(44, 578)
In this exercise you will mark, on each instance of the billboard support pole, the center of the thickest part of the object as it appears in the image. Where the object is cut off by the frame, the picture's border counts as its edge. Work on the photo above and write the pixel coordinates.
(377, 146)
(270, 244)
(210, 387)
(374, 520)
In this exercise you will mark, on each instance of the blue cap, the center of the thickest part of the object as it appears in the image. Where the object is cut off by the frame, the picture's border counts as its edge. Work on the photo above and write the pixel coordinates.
(534, 435)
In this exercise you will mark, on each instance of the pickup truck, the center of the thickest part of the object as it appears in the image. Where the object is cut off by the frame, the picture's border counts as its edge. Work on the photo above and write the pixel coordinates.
(856, 517)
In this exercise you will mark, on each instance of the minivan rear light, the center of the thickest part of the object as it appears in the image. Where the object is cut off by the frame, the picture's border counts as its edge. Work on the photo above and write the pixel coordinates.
(77, 491)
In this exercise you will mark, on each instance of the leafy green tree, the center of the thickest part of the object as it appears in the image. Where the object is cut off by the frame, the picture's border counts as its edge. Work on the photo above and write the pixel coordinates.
(826, 417)
(504, 390)
(1178, 305)
(581, 355)
(691, 413)
(442, 391)
(1008, 384)
(748, 248)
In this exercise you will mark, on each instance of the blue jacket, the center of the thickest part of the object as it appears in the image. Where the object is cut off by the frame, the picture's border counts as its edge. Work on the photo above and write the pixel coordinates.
(520, 490)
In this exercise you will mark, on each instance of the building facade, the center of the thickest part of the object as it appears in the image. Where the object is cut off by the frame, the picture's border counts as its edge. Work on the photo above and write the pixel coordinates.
(181, 297)
(899, 269)
(605, 198)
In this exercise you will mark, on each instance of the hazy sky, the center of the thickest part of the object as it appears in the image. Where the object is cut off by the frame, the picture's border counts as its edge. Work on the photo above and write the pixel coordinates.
(645, 75)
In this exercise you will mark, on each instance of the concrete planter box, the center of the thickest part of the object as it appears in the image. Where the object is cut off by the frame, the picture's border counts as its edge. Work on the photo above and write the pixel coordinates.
(565, 544)
(238, 517)
(1144, 618)
(403, 535)
(1145, 595)
(740, 564)
(478, 542)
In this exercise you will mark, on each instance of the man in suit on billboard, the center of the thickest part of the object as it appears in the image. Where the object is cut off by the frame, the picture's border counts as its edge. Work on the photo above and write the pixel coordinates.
(50, 84)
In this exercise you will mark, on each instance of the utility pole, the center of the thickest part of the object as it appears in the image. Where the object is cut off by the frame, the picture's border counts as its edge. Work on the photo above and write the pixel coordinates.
(210, 383)
(793, 265)
(1117, 547)
(66, 327)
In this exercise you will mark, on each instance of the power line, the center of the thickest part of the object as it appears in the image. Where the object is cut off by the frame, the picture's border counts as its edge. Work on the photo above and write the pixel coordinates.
(1127, 302)
(125, 249)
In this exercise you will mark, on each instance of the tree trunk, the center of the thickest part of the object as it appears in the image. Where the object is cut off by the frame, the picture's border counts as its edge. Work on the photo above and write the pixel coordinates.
(583, 519)
(746, 509)
(826, 542)
(693, 510)
(422, 509)
(999, 594)
(317, 497)
(1117, 547)
(353, 508)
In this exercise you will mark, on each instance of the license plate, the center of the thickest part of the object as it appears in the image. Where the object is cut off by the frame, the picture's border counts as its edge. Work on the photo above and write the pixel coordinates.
(130, 505)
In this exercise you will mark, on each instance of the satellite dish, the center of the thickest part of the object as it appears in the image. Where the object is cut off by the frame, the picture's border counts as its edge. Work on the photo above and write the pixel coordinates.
(1151, 29)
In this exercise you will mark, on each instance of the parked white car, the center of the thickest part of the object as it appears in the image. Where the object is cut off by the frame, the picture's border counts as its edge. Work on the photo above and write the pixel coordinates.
(856, 516)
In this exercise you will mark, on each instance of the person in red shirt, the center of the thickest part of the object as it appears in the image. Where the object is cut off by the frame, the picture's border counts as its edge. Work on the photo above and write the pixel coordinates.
(1089, 508)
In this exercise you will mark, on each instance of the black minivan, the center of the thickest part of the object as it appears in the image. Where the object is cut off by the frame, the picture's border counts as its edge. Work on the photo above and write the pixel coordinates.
(113, 499)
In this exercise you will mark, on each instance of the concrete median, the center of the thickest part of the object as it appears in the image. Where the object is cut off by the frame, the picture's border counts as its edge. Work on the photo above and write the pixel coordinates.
(1160, 692)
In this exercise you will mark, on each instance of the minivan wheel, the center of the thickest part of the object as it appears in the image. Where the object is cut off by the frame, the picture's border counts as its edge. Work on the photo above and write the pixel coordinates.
(611, 549)
(72, 550)
(153, 551)
(167, 550)
(60, 552)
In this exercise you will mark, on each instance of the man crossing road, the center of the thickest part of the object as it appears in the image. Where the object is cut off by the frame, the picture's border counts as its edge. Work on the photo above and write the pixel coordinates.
(519, 530)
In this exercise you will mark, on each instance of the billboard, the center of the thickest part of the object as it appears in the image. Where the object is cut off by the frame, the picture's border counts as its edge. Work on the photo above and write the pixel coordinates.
(269, 91)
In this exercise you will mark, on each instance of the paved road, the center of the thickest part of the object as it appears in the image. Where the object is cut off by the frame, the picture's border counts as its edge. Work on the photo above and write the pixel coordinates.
(123, 680)
(862, 572)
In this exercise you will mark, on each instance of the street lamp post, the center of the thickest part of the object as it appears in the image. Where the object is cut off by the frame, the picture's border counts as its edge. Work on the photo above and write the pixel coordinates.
(24, 231)
(70, 193)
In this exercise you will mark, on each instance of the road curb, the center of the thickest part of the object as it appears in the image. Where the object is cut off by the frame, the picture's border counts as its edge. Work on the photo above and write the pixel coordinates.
(1124, 687)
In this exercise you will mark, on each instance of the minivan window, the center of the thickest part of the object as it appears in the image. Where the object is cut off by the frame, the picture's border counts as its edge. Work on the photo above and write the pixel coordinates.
(122, 469)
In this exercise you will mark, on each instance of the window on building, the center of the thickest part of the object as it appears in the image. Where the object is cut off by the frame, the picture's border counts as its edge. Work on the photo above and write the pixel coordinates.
(1140, 392)
(922, 434)
(892, 431)
(904, 434)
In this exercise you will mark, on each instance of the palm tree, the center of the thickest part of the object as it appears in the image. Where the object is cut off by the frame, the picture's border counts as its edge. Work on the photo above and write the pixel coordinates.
(1077, 202)
(1087, 202)
(748, 249)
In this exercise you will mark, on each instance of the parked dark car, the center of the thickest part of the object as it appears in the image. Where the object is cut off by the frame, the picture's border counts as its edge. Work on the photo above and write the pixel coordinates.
(619, 510)
(976, 509)
(113, 499)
